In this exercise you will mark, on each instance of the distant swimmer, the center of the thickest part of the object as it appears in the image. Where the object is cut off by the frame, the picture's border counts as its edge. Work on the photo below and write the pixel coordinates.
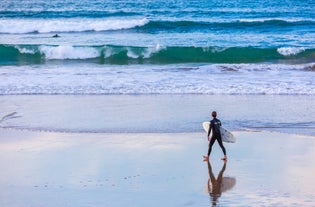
(55, 36)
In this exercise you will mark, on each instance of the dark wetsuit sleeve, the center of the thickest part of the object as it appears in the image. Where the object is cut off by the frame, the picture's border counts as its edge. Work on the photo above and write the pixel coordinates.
(210, 127)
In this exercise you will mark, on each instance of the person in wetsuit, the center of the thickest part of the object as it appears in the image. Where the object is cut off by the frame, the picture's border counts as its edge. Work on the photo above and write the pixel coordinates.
(216, 135)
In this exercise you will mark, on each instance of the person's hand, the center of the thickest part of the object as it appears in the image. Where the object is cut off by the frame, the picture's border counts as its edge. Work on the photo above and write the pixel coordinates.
(208, 138)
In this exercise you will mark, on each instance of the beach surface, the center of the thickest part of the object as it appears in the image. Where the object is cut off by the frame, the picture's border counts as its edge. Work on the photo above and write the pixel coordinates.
(102, 103)
(154, 169)
(160, 113)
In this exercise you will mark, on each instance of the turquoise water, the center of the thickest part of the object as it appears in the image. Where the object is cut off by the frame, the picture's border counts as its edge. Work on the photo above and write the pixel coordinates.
(155, 47)
(256, 29)
(251, 47)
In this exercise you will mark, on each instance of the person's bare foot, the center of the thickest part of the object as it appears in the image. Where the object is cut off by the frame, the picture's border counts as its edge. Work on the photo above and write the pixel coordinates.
(224, 158)
(205, 158)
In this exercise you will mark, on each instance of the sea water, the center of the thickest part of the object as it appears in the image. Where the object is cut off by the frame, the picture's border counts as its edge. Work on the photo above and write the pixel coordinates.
(156, 47)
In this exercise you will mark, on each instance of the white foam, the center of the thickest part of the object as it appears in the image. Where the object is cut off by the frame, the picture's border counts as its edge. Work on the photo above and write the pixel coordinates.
(133, 53)
(69, 52)
(288, 51)
(109, 51)
(25, 50)
(147, 53)
(20, 26)
(212, 79)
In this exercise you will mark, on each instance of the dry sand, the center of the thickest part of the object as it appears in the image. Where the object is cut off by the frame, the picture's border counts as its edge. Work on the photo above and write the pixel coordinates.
(152, 169)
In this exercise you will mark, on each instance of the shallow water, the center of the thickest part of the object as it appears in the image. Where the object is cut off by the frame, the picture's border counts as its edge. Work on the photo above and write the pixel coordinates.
(157, 113)
(60, 169)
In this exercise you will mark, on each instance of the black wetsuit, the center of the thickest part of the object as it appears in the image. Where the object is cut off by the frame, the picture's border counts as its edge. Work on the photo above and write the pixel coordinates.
(216, 135)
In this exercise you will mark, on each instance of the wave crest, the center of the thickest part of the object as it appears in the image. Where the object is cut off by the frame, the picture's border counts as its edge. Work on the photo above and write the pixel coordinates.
(290, 51)
(110, 54)
(40, 25)
(23, 26)
(68, 52)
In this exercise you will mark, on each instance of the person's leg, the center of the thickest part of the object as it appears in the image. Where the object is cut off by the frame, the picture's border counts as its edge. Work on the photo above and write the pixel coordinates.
(222, 147)
(210, 145)
(212, 140)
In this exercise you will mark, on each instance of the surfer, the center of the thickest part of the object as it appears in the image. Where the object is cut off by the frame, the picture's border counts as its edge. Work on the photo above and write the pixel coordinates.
(216, 135)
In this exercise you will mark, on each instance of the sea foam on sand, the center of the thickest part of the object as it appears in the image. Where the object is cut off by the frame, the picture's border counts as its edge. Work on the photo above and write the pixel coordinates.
(153, 169)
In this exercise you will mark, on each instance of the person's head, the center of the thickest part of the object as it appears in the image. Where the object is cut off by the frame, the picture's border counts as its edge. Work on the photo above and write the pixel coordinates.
(214, 114)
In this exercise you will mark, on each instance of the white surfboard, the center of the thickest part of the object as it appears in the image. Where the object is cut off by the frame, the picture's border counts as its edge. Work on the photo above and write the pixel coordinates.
(225, 134)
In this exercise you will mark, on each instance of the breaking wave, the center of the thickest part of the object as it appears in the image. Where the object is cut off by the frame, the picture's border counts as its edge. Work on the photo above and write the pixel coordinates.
(81, 24)
(111, 54)
(23, 26)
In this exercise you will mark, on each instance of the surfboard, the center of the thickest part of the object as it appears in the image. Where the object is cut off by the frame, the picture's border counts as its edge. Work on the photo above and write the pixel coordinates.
(225, 134)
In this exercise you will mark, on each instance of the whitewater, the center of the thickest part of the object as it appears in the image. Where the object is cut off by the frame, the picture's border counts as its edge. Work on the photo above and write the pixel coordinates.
(147, 66)
(157, 47)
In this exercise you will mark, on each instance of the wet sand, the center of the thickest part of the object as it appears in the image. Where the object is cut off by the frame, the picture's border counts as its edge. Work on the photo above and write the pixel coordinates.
(157, 113)
(154, 169)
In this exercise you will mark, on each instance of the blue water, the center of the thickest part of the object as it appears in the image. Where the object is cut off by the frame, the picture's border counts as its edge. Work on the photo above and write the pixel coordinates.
(232, 23)
(146, 47)
(157, 47)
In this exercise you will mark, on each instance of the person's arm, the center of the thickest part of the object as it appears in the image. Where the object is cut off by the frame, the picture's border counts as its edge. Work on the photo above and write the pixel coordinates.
(209, 131)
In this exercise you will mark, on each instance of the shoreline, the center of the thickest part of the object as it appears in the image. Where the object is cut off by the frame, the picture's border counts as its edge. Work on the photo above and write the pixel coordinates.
(148, 133)
(153, 169)
(157, 113)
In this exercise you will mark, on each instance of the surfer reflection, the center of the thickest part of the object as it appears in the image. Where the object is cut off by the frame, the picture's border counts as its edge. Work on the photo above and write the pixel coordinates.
(216, 186)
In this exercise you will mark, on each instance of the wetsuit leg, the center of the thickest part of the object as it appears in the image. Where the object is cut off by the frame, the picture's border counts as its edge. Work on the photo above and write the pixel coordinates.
(213, 138)
(221, 144)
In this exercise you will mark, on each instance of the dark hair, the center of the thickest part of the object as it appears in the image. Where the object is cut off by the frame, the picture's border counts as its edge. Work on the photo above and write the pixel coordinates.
(214, 114)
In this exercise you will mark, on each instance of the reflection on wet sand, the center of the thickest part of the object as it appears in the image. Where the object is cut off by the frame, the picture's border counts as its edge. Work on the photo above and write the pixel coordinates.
(216, 186)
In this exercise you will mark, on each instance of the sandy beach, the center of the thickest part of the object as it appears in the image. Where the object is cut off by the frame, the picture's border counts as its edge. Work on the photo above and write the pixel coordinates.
(102, 103)
(153, 169)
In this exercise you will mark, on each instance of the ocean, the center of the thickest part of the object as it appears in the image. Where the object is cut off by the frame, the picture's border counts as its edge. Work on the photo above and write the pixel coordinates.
(157, 47)
(112, 47)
